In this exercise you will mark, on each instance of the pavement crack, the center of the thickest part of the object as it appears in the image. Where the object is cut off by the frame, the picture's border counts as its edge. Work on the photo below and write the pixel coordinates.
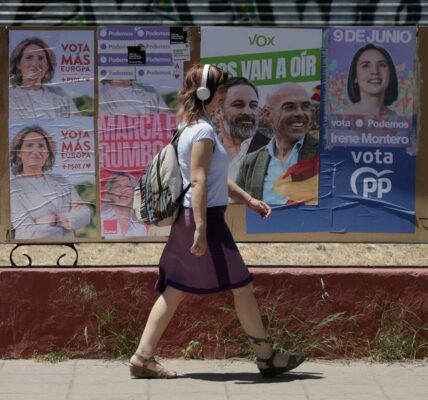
(379, 385)
(70, 384)
(304, 388)
(148, 388)
(226, 388)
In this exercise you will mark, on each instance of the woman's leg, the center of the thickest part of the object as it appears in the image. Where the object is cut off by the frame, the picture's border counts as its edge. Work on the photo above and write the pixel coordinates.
(249, 316)
(248, 312)
(161, 314)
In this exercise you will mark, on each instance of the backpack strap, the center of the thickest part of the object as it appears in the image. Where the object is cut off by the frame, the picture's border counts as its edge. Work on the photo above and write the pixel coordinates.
(177, 133)
(174, 141)
(182, 194)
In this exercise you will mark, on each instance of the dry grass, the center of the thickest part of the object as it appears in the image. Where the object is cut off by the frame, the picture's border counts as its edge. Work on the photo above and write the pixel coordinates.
(288, 254)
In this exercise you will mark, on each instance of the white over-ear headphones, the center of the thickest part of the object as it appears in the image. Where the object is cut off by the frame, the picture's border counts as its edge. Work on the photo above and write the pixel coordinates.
(203, 93)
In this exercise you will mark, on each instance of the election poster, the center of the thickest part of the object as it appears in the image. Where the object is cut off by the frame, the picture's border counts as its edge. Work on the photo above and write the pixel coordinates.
(126, 146)
(51, 134)
(371, 88)
(140, 72)
(269, 119)
(140, 69)
(368, 136)
(52, 179)
(371, 127)
(51, 74)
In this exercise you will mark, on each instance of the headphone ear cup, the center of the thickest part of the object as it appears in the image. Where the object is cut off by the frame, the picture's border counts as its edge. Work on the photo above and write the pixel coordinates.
(203, 93)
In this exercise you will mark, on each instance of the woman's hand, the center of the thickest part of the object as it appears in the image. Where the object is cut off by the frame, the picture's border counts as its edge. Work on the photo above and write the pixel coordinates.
(238, 194)
(200, 245)
(259, 207)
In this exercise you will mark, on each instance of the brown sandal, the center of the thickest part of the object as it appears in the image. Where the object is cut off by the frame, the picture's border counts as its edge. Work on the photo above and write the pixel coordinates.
(150, 369)
(294, 360)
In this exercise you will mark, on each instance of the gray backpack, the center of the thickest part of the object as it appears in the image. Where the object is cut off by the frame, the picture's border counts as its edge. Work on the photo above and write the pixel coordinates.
(159, 193)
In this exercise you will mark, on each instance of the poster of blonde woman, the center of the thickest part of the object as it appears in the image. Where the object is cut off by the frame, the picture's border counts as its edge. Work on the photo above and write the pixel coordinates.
(51, 74)
(52, 180)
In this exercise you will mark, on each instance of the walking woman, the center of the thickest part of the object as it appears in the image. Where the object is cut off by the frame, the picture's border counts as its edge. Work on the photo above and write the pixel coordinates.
(201, 256)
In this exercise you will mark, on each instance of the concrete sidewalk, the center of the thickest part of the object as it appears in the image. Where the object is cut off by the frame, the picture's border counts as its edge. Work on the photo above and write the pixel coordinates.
(212, 380)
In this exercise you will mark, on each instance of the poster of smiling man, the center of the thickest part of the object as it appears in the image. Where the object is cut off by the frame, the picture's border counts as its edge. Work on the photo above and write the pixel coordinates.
(268, 120)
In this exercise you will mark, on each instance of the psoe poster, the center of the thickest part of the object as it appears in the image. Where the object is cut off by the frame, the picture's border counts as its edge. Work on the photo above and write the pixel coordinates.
(269, 120)
(52, 179)
(51, 74)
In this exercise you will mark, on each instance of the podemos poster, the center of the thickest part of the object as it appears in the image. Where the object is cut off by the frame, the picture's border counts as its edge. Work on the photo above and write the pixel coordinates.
(140, 72)
(371, 87)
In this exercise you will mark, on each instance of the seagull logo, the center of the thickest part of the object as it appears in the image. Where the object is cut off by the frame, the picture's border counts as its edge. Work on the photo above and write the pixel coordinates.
(373, 183)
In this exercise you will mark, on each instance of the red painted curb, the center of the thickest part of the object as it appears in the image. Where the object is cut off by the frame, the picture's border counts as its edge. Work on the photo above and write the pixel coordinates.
(85, 311)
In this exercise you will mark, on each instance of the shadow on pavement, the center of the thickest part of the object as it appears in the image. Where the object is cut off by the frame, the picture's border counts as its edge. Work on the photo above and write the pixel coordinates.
(245, 378)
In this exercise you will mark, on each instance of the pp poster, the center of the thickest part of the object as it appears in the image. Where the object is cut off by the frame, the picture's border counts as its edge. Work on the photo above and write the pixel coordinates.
(370, 134)
(368, 137)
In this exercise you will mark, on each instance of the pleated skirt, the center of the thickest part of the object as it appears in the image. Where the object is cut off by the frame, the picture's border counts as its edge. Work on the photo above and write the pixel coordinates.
(220, 268)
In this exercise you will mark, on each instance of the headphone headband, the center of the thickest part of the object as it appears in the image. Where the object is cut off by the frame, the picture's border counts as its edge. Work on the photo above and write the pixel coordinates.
(203, 93)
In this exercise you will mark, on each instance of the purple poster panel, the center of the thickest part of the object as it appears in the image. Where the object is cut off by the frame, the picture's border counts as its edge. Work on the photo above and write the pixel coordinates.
(371, 87)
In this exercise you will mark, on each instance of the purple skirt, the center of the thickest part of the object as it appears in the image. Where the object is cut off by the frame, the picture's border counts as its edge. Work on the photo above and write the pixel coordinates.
(220, 268)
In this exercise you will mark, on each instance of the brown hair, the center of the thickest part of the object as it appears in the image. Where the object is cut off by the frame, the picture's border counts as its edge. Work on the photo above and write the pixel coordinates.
(191, 107)
(16, 162)
(391, 92)
(15, 73)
